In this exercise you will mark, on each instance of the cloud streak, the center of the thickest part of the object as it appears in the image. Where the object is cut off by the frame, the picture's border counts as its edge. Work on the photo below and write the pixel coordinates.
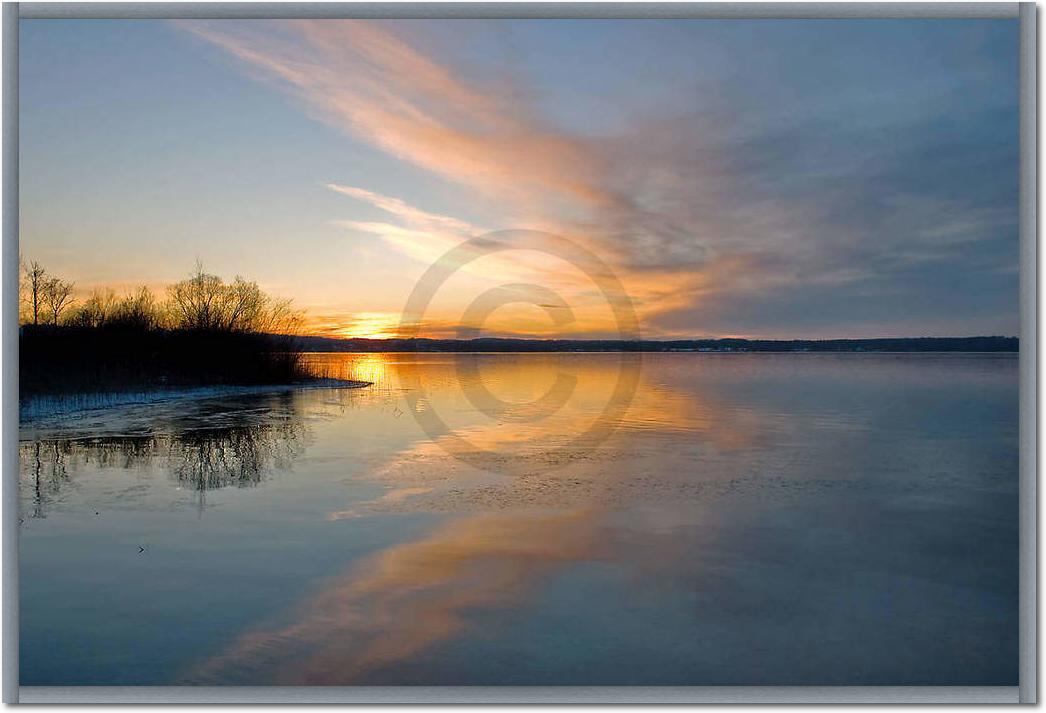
(729, 219)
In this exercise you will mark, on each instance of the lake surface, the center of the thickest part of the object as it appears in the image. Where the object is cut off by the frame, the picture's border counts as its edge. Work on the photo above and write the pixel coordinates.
(537, 519)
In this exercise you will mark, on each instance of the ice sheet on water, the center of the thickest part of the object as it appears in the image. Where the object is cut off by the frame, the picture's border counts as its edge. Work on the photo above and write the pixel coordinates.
(130, 413)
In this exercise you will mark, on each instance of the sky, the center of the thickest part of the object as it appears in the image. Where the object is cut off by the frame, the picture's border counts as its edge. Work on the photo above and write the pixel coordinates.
(774, 178)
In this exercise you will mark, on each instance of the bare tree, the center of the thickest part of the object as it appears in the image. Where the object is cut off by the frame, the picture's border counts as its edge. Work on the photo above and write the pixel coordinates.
(97, 309)
(195, 303)
(204, 301)
(34, 283)
(243, 305)
(138, 310)
(283, 318)
(57, 294)
(201, 302)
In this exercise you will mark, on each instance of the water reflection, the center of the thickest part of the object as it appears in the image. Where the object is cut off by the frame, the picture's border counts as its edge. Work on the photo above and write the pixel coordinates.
(44, 470)
(540, 462)
(241, 456)
(749, 516)
(410, 597)
(203, 446)
(691, 438)
(542, 513)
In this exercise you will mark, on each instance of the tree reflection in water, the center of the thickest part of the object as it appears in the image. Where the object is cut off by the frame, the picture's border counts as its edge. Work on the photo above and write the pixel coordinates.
(45, 463)
(210, 446)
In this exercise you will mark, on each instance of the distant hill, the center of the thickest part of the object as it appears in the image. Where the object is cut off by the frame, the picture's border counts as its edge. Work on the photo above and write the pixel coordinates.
(492, 344)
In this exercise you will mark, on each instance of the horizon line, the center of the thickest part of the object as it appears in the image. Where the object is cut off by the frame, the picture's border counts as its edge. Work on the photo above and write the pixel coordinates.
(652, 339)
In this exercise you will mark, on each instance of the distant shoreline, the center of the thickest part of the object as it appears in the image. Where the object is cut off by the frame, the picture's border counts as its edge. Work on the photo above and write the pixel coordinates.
(990, 344)
(669, 351)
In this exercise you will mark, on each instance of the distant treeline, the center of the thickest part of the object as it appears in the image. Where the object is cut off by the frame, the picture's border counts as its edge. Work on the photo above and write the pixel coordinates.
(203, 331)
(914, 344)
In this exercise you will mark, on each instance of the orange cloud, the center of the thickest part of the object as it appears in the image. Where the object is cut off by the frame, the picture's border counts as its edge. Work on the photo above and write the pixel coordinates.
(624, 199)
(365, 79)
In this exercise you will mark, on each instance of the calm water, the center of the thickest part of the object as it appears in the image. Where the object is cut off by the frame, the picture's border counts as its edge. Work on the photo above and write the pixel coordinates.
(474, 519)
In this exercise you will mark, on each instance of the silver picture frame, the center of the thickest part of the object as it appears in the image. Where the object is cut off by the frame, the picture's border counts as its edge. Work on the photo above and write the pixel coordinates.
(1027, 690)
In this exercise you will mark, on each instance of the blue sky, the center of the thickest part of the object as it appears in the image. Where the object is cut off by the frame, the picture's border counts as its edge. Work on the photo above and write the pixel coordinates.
(766, 178)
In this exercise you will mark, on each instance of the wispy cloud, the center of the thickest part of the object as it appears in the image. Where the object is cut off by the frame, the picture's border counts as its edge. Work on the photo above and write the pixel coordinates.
(406, 212)
(366, 80)
(730, 220)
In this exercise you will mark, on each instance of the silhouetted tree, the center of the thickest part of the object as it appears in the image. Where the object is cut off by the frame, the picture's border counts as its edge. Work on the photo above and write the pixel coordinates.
(57, 295)
(194, 302)
(137, 310)
(205, 302)
(35, 281)
(206, 332)
(96, 309)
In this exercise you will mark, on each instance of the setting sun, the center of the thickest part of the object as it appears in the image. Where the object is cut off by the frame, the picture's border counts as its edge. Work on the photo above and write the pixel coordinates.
(369, 325)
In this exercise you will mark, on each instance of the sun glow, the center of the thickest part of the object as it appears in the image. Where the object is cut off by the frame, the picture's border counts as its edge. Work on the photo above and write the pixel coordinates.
(370, 325)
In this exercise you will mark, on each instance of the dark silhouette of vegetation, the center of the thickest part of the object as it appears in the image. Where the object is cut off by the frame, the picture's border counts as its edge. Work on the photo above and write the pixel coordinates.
(33, 288)
(58, 296)
(205, 331)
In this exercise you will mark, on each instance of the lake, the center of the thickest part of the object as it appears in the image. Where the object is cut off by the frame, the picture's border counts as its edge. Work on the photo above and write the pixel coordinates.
(661, 519)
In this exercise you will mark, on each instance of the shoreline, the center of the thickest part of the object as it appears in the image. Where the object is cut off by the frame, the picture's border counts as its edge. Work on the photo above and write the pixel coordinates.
(41, 408)
(678, 351)
(982, 343)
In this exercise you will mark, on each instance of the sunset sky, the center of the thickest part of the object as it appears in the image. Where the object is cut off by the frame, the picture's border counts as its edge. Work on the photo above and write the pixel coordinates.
(763, 178)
